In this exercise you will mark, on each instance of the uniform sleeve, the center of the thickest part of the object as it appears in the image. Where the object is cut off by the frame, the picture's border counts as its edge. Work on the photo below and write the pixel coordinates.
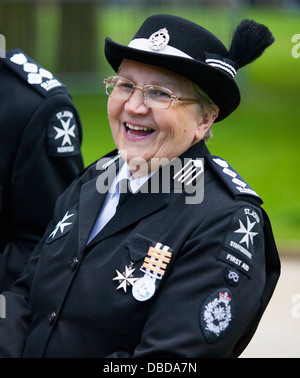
(211, 297)
(15, 325)
(48, 159)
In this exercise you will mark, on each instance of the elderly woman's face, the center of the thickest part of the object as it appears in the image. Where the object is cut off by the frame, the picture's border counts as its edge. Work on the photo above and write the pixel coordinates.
(146, 133)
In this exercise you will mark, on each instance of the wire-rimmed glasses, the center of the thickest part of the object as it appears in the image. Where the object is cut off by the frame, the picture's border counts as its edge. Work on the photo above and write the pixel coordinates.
(154, 96)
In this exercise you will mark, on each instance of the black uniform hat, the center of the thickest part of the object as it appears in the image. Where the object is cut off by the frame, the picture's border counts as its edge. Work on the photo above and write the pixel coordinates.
(181, 46)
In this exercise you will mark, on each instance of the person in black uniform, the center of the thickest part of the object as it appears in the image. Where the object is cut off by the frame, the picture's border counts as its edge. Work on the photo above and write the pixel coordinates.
(40, 138)
(178, 262)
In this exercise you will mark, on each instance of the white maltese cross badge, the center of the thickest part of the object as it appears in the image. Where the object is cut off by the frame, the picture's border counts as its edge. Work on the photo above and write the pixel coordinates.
(125, 279)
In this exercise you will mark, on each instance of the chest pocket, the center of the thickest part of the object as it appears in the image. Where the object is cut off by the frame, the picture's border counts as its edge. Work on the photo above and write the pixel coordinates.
(138, 247)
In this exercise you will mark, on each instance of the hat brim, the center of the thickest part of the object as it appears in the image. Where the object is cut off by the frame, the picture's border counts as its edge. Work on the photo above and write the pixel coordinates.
(221, 88)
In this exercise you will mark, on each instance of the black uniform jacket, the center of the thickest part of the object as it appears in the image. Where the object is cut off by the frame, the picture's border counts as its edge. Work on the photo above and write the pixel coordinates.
(76, 300)
(40, 138)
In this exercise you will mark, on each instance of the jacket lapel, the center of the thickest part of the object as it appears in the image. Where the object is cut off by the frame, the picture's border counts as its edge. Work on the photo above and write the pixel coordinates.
(137, 207)
(90, 204)
(92, 197)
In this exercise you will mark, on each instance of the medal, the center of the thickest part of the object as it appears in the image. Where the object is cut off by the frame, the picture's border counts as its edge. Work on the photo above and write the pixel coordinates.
(156, 261)
(144, 288)
(125, 279)
(153, 267)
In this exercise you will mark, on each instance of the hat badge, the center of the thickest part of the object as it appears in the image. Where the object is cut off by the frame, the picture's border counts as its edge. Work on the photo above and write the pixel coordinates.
(159, 39)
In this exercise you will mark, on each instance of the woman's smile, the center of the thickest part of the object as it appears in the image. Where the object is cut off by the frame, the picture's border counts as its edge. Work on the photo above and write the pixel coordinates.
(137, 132)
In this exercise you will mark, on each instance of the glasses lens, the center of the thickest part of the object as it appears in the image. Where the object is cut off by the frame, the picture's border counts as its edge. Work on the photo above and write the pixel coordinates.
(157, 97)
(119, 88)
(153, 96)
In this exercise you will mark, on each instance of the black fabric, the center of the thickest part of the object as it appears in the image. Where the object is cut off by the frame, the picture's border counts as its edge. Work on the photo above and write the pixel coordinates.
(125, 191)
(31, 179)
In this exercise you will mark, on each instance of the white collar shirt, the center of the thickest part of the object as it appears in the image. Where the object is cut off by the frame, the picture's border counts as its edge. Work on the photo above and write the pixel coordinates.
(109, 207)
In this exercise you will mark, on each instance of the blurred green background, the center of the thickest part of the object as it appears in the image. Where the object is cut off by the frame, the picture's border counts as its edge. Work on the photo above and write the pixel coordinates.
(260, 139)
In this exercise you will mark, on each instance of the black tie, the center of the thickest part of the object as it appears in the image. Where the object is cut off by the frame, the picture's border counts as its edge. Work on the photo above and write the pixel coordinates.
(125, 191)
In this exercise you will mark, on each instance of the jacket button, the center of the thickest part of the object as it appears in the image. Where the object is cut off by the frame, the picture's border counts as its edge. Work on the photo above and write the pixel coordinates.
(74, 264)
(52, 317)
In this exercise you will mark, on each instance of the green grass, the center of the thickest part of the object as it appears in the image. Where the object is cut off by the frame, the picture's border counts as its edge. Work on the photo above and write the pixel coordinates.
(261, 139)
(97, 138)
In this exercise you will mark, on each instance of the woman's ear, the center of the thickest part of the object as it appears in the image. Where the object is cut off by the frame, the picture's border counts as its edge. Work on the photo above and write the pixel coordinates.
(205, 123)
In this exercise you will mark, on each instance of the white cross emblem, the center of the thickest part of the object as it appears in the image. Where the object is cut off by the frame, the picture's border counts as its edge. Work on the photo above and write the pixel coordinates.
(61, 225)
(247, 231)
(65, 132)
(125, 279)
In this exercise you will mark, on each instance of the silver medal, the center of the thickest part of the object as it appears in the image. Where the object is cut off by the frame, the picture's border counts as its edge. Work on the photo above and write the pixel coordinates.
(144, 288)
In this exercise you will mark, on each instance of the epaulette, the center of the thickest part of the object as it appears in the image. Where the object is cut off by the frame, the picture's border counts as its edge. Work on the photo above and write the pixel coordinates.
(30, 71)
(232, 180)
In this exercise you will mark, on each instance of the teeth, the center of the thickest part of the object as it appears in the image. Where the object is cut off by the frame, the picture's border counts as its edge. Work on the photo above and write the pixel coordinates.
(137, 127)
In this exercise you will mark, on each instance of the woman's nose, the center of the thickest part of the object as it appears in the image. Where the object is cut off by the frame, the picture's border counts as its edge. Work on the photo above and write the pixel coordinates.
(135, 103)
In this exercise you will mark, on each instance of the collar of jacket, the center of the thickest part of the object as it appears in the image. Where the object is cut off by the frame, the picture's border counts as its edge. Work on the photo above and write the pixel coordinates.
(138, 206)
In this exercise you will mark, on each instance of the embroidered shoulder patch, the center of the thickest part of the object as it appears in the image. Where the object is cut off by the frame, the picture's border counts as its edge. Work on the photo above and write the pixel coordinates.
(216, 314)
(233, 181)
(242, 239)
(63, 133)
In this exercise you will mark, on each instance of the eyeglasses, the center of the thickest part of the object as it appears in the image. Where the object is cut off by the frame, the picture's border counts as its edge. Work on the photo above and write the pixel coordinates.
(153, 96)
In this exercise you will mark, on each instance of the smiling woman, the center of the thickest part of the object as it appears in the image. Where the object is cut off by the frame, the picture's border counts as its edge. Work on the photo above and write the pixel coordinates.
(154, 272)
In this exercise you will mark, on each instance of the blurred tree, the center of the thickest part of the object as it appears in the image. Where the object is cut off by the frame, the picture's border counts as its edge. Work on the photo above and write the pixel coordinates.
(78, 37)
(18, 25)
